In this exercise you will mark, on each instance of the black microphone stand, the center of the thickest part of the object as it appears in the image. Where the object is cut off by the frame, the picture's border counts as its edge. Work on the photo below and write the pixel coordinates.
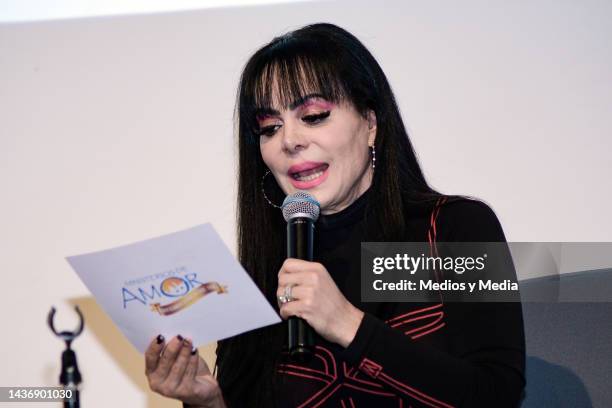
(70, 377)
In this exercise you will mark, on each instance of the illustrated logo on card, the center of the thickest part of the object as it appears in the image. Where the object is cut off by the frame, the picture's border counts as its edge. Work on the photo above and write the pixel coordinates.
(178, 287)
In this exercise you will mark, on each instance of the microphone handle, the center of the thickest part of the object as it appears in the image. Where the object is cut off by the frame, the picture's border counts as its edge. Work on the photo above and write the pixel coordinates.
(300, 245)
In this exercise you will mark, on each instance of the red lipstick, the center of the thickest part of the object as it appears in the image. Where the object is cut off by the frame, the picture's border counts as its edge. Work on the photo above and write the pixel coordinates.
(296, 168)
(301, 175)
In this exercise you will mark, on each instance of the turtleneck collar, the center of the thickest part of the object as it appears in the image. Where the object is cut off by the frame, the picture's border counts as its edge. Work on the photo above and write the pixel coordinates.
(350, 215)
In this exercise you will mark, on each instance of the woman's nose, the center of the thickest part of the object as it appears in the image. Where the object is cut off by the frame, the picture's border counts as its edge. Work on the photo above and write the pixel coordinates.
(293, 139)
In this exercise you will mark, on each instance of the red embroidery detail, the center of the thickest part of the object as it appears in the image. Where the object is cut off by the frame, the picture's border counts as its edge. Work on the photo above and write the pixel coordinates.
(414, 319)
(375, 370)
(416, 336)
(349, 372)
(440, 316)
(433, 248)
(383, 393)
(335, 380)
(412, 312)
(318, 398)
(331, 357)
(324, 362)
(297, 374)
(402, 321)
(300, 368)
(370, 368)
(424, 398)
(359, 380)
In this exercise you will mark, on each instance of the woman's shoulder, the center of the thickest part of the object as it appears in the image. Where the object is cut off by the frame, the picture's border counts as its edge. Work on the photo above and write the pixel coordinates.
(462, 218)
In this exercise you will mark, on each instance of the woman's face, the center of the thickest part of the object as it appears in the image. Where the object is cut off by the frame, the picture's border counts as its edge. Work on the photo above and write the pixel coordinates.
(320, 147)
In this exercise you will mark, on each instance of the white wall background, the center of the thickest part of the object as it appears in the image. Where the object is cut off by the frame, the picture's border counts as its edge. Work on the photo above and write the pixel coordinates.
(40, 10)
(118, 129)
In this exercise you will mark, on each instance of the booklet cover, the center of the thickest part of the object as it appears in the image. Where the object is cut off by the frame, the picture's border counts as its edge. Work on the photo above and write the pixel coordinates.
(186, 282)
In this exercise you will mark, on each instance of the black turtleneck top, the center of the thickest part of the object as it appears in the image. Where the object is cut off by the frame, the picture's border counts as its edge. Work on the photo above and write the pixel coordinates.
(412, 354)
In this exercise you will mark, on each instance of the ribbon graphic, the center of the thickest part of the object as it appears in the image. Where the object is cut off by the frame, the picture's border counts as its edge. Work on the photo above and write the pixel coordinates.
(189, 299)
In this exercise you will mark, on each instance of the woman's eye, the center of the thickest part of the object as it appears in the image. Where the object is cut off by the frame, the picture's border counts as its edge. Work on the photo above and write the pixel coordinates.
(319, 117)
(268, 130)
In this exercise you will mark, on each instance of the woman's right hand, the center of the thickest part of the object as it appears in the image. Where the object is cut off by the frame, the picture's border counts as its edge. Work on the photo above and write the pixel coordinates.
(179, 372)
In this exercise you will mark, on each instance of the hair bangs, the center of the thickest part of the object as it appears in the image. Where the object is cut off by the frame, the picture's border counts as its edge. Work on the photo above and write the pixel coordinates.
(291, 72)
(284, 82)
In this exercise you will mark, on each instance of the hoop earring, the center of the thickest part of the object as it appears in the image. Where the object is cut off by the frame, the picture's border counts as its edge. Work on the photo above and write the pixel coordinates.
(263, 191)
(373, 157)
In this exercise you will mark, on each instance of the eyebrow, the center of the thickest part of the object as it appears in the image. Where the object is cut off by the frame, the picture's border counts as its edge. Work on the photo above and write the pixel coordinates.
(298, 102)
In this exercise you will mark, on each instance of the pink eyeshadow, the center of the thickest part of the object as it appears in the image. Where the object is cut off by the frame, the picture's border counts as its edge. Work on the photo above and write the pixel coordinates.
(262, 118)
(317, 103)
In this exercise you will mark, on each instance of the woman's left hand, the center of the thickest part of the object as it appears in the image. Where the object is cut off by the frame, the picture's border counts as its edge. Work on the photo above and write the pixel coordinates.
(318, 300)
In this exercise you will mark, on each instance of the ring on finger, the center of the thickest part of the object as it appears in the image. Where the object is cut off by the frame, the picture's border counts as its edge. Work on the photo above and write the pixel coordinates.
(286, 297)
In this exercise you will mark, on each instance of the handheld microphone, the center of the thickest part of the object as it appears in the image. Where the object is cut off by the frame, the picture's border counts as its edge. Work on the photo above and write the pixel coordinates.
(301, 211)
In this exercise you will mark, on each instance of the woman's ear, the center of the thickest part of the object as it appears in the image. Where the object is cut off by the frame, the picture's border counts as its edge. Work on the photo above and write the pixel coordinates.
(371, 128)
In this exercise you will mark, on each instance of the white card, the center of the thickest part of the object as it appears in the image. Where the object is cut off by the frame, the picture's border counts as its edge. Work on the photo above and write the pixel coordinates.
(187, 283)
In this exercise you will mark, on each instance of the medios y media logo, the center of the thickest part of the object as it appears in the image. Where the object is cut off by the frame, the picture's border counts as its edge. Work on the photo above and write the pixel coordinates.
(167, 292)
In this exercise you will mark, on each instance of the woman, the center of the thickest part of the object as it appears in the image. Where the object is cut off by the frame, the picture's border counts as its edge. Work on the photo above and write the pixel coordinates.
(316, 113)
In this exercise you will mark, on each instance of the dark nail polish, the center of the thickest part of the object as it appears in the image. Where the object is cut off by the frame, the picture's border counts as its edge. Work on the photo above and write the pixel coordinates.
(186, 342)
(194, 351)
(160, 339)
(178, 336)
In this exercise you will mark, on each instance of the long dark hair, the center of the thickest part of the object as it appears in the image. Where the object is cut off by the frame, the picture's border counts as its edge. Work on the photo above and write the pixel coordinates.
(327, 60)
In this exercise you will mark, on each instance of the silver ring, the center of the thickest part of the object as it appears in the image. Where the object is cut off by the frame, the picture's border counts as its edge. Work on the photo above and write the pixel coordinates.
(286, 297)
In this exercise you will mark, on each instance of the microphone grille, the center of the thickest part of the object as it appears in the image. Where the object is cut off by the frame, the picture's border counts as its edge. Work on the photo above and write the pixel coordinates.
(300, 204)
